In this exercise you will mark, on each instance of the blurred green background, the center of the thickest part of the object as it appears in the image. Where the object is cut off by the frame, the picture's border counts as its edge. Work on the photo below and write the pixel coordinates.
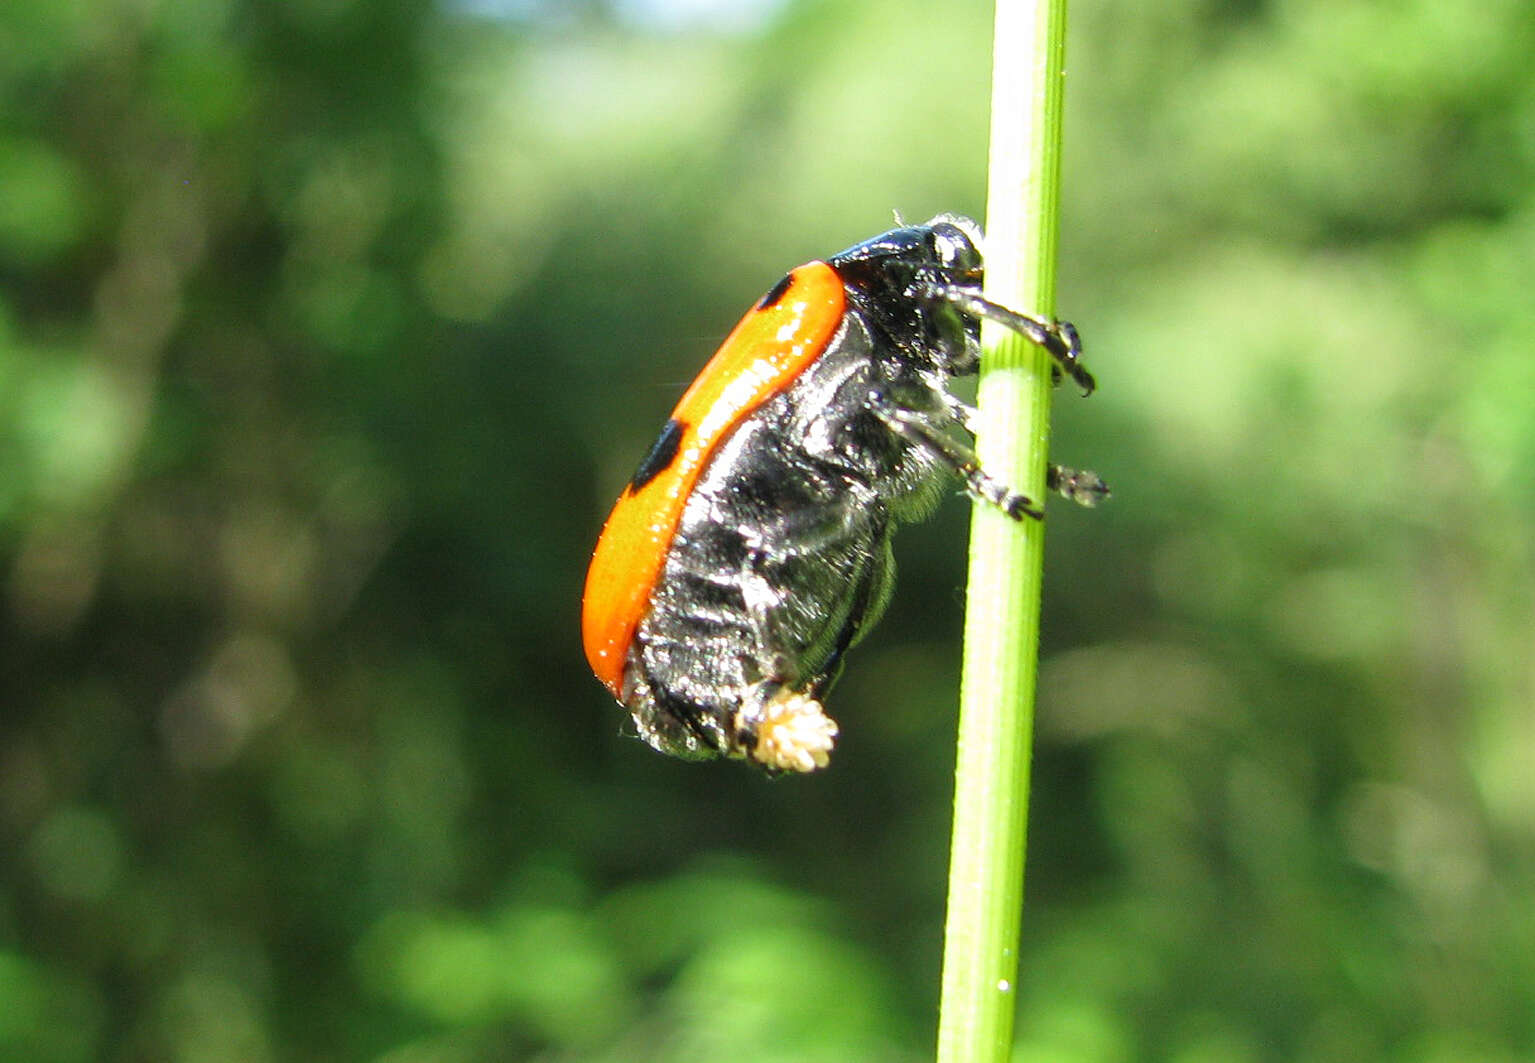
(329, 329)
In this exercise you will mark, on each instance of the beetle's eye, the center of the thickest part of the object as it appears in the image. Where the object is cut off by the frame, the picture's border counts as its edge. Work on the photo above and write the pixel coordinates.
(956, 248)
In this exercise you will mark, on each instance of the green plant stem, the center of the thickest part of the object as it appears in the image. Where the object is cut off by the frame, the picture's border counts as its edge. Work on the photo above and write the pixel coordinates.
(980, 963)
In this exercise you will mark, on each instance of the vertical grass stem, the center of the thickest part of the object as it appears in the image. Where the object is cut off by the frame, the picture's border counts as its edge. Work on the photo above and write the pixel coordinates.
(980, 964)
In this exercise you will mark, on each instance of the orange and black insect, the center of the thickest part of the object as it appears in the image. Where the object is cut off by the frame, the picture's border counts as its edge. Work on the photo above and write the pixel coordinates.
(751, 548)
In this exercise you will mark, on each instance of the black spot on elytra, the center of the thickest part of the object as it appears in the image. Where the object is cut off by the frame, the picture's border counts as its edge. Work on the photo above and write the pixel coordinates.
(661, 454)
(776, 292)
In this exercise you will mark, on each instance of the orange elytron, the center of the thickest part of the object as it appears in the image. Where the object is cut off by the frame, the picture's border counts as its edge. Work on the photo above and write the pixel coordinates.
(785, 332)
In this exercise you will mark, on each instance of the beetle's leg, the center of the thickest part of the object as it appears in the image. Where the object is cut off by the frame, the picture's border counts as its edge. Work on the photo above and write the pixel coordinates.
(964, 414)
(1058, 338)
(921, 432)
(1082, 486)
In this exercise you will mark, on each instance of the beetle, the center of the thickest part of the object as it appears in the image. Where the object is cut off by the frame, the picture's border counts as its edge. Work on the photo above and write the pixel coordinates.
(751, 548)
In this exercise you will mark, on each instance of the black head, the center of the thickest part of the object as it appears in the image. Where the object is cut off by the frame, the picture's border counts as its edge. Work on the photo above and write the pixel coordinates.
(947, 245)
(897, 280)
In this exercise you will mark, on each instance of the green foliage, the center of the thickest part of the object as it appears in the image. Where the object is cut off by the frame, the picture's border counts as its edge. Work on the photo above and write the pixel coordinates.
(329, 329)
